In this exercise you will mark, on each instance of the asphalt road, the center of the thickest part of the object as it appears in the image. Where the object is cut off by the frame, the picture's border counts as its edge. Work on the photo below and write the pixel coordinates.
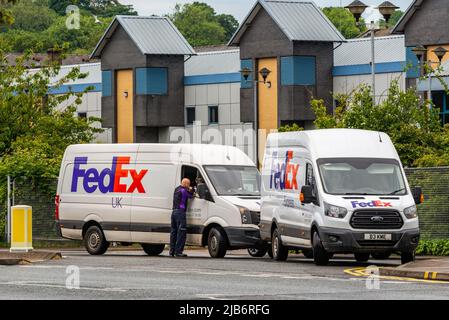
(133, 275)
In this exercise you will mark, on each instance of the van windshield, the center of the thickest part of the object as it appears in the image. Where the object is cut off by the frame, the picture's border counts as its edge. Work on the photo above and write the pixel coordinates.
(234, 180)
(361, 176)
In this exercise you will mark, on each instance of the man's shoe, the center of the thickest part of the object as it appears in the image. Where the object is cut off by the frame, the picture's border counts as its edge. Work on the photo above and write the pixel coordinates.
(171, 254)
(180, 255)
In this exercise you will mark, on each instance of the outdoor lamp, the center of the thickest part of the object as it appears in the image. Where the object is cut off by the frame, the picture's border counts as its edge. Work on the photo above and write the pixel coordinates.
(387, 9)
(264, 73)
(419, 51)
(440, 52)
(245, 73)
(356, 8)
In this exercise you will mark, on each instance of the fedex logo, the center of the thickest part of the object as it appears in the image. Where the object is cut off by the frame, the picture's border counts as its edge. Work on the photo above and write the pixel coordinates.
(371, 204)
(284, 175)
(109, 179)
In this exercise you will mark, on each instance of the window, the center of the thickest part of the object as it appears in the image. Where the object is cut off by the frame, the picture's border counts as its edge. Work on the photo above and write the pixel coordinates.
(441, 101)
(82, 115)
(151, 81)
(213, 115)
(190, 115)
(310, 181)
(106, 83)
(298, 70)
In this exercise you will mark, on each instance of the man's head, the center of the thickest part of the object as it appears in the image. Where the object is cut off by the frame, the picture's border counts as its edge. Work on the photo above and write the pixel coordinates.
(185, 183)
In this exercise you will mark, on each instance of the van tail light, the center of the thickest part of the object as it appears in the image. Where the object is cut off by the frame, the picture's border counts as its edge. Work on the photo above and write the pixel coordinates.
(57, 207)
(301, 197)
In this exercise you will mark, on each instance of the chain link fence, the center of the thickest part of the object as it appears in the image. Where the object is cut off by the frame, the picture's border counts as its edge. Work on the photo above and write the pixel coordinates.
(433, 213)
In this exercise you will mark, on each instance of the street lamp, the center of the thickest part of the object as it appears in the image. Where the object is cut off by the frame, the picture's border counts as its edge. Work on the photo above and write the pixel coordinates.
(264, 72)
(420, 52)
(386, 9)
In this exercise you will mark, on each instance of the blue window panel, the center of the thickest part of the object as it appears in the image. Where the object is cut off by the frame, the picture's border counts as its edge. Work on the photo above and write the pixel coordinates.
(151, 81)
(75, 88)
(106, 80)
(298, 70)
(412, 64)
(212, 79)
(246, 84)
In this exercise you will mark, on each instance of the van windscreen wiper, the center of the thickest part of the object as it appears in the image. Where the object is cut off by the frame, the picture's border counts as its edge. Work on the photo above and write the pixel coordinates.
(396, 191)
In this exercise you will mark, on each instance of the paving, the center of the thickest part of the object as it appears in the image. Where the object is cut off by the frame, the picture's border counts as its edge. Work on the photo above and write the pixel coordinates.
(427, 269)
(131, 274)
(14, 258)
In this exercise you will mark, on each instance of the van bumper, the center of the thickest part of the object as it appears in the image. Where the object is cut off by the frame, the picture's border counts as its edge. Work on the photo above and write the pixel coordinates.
(244, 238)
(349, 241)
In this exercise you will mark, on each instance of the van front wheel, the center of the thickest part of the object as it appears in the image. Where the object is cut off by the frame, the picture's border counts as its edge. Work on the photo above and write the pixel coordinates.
(320, 255)
(153, 249)
(95, 241)
(216, 243)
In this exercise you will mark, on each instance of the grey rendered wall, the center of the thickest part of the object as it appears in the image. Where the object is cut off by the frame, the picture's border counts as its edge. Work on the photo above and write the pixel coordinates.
(429, 25)
(265, 39)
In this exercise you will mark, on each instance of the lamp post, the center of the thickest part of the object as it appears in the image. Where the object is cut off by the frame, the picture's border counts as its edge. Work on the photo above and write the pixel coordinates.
(420, 51)
(264, 72)
(386, 9)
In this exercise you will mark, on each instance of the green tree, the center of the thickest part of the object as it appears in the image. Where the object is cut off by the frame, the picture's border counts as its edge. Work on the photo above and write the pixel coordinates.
(34, 132)
(415, 129)
(6, 17)
(199, 24)
(32, 15)
(107, 8)
(229, 23)
(344, 21)
(81, 40)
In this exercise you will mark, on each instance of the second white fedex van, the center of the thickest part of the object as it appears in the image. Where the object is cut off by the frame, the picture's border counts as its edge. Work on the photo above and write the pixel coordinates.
(124, 193)
(337, 191)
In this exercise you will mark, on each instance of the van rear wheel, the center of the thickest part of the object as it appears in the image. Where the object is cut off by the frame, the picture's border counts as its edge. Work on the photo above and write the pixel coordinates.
(280, 252)
(153, 249)
(216, 243)
(95, 241)
(257, 253)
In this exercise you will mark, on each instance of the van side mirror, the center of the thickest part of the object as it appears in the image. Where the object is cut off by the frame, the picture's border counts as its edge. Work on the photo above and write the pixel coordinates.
(306, 195)
(418, 195)
(204, 193)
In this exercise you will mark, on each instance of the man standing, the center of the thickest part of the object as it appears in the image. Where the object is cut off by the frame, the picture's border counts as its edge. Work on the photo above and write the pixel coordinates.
(178, 218)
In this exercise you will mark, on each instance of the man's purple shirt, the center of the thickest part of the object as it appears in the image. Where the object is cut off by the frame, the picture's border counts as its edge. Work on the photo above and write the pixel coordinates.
(185, 196)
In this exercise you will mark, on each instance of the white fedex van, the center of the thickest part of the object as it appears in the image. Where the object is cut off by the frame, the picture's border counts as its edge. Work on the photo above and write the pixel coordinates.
(124, 193)
(337, 191)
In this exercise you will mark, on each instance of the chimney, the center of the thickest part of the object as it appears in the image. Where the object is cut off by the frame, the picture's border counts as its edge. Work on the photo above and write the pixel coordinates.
(54, 56)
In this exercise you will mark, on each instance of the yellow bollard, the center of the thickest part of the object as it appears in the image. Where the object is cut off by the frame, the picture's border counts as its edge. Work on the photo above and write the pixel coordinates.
(21, 229)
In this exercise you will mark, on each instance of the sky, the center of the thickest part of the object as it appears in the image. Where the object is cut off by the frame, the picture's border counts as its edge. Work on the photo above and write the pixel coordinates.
(240, 8)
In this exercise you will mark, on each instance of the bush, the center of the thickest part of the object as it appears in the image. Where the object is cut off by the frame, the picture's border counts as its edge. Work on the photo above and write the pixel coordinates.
(433, 247)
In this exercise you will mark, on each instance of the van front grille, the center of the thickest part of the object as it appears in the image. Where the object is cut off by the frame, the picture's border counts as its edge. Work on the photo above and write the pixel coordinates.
(376, 219)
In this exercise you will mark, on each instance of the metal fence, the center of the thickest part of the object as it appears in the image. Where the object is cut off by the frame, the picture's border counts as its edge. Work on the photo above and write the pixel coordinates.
(433, 213)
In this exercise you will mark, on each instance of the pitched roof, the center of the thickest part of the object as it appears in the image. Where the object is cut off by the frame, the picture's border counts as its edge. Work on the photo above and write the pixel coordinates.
(152, 35)
(213, 62)
(298, 20)
(358, 51)
(400, 25)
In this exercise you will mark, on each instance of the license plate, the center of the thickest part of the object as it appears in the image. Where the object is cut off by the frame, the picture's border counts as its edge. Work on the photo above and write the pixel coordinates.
(377, 236)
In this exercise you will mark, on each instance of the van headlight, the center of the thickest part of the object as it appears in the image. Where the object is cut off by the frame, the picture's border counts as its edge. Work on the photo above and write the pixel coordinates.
(245, 214)
(411, 212)
(334, 211)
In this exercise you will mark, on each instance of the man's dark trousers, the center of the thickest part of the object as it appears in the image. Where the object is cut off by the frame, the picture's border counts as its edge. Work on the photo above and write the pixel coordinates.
(178, 231)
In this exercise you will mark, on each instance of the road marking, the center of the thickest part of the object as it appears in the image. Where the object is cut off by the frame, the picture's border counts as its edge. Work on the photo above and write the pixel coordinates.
(361, 272)
(51, 285)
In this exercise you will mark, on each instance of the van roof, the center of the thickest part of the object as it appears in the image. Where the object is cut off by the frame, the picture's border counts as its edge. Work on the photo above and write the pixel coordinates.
(337, 143)
(201, 154)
